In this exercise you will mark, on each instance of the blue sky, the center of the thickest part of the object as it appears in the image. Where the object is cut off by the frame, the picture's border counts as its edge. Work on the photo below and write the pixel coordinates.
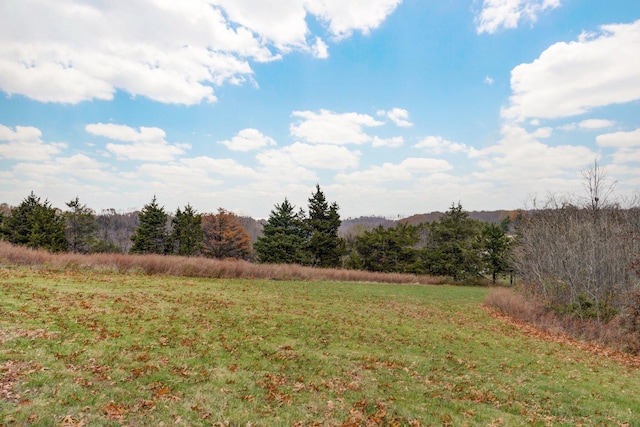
(394, 107)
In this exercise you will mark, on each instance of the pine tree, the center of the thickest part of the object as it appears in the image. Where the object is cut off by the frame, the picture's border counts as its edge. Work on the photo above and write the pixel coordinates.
(284, 237)
(496, 249)
(225, 237)
(82, 227)
(35, 224)
(454, 248)
(389, 249)
(151, 237)
(324, 245)
(187, 235)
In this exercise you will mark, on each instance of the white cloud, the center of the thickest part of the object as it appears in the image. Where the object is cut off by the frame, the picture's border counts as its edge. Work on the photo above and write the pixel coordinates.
(249, 139)
(320, 49)
(544, 132)
(147, 144)
(327, 127)
(281, 22)
(588, 124)
(627, 155)
(24, 143)
(346, 16)
(572, 78)
(320, 156)
(488, 80)
(79, 168)
(439, 145)
(620, 139)
(228, 168)
(520, 160)
(396, 141)
(500, 14)
(596, 124)
(407, 170)
(170, 52)
(399, 116)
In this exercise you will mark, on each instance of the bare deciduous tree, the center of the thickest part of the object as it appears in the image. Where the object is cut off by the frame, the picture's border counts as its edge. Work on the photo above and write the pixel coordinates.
(581, 258)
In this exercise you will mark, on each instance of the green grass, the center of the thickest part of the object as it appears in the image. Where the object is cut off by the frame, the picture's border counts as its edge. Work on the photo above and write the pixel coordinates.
(86, 348)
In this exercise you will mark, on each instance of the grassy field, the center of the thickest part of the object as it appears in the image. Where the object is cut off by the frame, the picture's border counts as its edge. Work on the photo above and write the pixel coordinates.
(86, 348)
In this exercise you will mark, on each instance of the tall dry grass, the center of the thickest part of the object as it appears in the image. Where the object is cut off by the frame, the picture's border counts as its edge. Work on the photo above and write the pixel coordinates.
(195, 267)
(612, 334)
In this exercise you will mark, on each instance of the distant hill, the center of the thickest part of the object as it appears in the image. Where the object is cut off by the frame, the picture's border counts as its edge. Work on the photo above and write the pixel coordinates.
(356, 226)
(485, 216)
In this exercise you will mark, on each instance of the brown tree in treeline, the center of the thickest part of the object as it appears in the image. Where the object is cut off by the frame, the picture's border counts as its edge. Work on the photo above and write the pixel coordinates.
(225, 237)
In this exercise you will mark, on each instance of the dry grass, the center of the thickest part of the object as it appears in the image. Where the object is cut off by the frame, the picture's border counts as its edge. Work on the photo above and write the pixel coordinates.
(196, 267)
(611, 334)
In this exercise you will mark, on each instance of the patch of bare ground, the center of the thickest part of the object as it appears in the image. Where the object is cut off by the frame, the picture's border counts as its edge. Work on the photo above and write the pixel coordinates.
(600, 340)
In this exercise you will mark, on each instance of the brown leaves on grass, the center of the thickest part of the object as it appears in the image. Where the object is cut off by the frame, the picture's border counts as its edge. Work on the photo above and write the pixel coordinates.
(10, 373)
(69, 421)
(113, 411)
(368, 414)
(545, 335)
(6, 335)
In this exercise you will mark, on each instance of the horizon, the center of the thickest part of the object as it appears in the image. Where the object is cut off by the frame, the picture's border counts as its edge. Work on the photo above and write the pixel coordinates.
(395, 108)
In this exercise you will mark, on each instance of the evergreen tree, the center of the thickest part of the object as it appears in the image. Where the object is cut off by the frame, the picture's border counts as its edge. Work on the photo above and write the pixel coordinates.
(324, 245)
(151, 237)
(496, 249)
(225, 237)
(82, 227)
(284, 237)
(389, 249)
(454, 249)
(187, 235)
(35, 224)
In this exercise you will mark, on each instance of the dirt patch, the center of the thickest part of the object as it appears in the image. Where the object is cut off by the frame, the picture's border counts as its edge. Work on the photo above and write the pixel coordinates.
(545, 335)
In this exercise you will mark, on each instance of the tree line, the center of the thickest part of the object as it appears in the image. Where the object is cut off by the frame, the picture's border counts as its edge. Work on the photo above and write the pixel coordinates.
(455, 245)
(37, 224)
(576, 256)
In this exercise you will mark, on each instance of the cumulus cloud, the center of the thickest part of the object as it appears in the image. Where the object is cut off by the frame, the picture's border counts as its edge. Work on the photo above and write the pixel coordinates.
(25, 143)
(619, 139)
(78, 167)
(197, 173)
(406, 170)
(320, 49)
(170, 52)
(596, 124)
(327, 127)
(321, 156)
(589, 124)
(508, 14)
(345, 17)
(399, 116)
(226, 167)
(572, 78)
(147, 144)
(626, 146)
(439, 145)
(396, 141)
(522, 160)
(248, 140)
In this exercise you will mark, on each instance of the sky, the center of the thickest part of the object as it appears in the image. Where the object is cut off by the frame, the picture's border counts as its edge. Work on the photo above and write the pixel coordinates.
(393, 107)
